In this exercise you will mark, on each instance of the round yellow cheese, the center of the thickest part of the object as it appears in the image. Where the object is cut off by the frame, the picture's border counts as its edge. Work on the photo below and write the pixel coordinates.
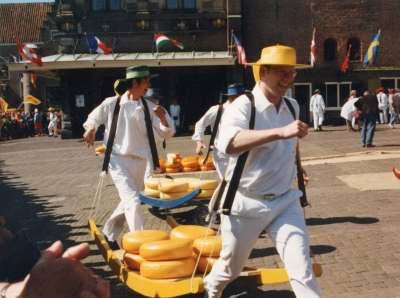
(208, 246)
(206, 263)
(192, 169)
(172, 195)
(172, 170)
(206, 193)
(168, 269)
(152, 192)
(166, 250)
(133, 261)
(132, 241)
(207, 168)
(153, 183)
(191, 232)
(100, 149)
(173, 186)
(209, 184)
(187, 179)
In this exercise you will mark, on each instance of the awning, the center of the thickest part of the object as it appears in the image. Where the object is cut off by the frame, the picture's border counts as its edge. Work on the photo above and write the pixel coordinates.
(120, 60)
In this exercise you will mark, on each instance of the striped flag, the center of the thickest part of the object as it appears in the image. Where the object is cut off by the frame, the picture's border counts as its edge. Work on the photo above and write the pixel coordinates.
(28, 52)
(372, 54)
(162, 40)
(313, 50)
(241, 54)
(96, 45)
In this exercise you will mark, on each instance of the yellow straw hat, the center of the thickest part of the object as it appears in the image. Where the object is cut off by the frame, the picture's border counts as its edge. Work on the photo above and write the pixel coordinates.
(276, 55)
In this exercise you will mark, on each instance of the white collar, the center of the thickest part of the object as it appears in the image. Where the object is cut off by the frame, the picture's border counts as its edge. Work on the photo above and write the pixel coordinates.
(262, 103)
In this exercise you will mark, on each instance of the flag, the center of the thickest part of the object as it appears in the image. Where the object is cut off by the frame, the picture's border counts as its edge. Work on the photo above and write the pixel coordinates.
(313, 50)
(28, 52)
(372, 54)
(32, 100)
(346, 62)
(162, 40)
(96, 45)
(241, 54)
(33, 79)
(3, 105)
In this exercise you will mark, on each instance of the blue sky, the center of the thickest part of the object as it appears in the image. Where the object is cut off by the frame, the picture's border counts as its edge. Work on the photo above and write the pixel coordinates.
(23, 1)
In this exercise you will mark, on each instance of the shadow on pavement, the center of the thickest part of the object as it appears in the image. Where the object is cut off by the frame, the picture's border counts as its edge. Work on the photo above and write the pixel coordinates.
(337, 220)
(271, 251)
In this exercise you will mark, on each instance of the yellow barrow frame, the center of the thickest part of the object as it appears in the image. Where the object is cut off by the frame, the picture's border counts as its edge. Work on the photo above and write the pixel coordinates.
(174, 287)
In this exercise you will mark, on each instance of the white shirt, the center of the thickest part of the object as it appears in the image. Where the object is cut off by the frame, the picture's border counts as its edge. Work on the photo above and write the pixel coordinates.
(317, 104)
(175, 111)
(383, 101)
(131, 135)
(52, 118)
(270, 168)
(348, 108)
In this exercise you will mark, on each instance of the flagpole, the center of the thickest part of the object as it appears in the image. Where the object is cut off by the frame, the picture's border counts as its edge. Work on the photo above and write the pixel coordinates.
(227, 24)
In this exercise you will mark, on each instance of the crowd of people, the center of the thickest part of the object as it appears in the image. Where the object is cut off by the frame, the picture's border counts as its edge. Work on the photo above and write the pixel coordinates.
(20, 124)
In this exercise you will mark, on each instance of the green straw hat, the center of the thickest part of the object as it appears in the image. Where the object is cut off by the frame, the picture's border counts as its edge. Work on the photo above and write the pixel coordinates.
(132, 72)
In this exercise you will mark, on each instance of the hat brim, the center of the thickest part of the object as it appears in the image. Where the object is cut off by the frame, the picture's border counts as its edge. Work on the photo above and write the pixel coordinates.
(152, 76)
(256, 68)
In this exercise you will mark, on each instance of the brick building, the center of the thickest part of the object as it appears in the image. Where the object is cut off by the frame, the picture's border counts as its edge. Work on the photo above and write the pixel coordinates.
(338, 24)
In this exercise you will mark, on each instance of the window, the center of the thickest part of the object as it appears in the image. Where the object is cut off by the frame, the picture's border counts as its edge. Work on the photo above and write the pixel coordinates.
(336, 94)
(330, 49)
(390, 83)
(98, 5)
(115, 4)
(180, 4)
(355, 54)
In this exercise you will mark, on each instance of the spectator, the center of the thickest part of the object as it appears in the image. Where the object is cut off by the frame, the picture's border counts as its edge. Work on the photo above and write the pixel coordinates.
(175, 112)
(348, 111)
(52, 123)
(37, 120)
(368, 106)
(317, 108)
(383, 104)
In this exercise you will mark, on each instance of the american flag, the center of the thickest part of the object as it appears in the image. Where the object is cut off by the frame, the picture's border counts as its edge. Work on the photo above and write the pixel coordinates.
(313, 50)
(241, 54)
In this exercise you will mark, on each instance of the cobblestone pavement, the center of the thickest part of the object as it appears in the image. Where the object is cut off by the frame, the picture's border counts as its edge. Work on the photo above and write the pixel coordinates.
(46, 186)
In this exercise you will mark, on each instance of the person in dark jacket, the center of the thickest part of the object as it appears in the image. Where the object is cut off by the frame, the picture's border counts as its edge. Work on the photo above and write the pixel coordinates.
(368, 105)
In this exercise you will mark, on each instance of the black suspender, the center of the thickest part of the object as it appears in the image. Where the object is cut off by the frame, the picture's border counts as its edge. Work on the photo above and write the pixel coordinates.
(214, 130)
(150, 136)
(111, 136)
(237, 172)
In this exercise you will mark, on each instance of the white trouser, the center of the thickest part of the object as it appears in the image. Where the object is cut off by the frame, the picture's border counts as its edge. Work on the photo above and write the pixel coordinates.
(220, 162)
(52, 127)
(128, 175)
(284, 220)
(383, 115)
(318, 119)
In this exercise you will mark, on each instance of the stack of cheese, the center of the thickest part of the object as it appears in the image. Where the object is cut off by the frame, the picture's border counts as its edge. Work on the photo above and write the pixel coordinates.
(205, 244)
(152, 186)
(207, 187)
(208, 165)
(190, 163)
(173, 189)
(156, 256)
(173, 163)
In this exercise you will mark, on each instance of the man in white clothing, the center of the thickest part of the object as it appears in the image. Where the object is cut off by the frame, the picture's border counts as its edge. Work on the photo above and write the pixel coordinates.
(348, 109)
(208, 119)
(317, 108)
(175, 112)
(383, 105)
(131, 149)
(265, 198)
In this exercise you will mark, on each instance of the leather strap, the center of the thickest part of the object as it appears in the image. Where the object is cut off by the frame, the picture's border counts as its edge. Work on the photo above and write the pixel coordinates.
(150, 136)
(214, 131)
(111, 136)
(237, 172)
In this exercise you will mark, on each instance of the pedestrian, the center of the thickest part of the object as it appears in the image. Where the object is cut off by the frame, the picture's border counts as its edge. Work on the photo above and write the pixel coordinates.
(131, 149)
(317, 108)
(37, 120)
(265, 198)
(208, 119)
(52, 123)
(392, 112)
(368, 106)
(175, 112)
(383, 104)
(348, 111)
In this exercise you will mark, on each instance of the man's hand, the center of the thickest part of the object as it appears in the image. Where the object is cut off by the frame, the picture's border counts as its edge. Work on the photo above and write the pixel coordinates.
(89, 137)
(200, 146)
(160, 113)
(59, 274)
(295, 129)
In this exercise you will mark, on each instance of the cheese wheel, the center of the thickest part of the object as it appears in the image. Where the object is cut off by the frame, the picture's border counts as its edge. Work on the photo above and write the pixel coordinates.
(132, 241)
(190, 163)
(205, 193)
(191, 232)
(206, 263)
(133, 261)
(209, 184)
(153, 183)
(207, 168)
(152, 192)
(100, 149)
(173, 186)
(209, 162)
(162, 164)
(186, 179)
(172, 170)
(172, 195)
(194, 169)
(168, 269)
(166, 250)
(208, 246)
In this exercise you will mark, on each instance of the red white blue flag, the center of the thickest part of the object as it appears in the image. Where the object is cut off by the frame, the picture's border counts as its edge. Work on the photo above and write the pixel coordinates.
(27, 51)
(96, 45)
(241, 54)
(313, 50)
